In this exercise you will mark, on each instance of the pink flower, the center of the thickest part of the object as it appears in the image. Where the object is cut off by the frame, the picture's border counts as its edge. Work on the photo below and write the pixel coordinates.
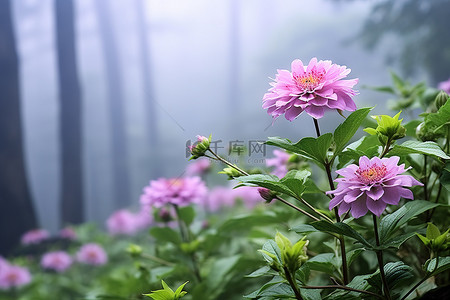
(219, 197)
(314, 88)
(445, 86)
(371, 186)
(175, 191)
(198, 167)
(92, 254)
(122, 222)
(58, 261)
(143, 219)
(68, 233)
(279, 162)
(35, 236)
(13, 276)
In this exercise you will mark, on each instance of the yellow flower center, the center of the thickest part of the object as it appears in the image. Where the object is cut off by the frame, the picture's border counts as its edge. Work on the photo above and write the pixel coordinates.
(372, 174)
(309, 81)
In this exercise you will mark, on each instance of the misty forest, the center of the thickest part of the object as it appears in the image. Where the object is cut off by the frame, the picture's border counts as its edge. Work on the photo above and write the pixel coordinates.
(224, 149)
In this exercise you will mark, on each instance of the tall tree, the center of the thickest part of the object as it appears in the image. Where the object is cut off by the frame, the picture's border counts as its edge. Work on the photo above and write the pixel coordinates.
(149, 96)
(121, 184)
(72, 205)
(17, 212)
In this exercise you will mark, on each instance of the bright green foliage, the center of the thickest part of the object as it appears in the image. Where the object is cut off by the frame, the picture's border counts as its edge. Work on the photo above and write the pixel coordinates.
(388, 129)
(167, 293)
(434, 240)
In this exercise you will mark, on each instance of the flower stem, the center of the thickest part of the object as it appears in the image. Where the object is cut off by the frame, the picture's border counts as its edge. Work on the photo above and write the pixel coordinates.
(292, 283)
(157, 259)
(380, 259)
(428, 275)
(425, 177)
(327, 166)
(341, 287)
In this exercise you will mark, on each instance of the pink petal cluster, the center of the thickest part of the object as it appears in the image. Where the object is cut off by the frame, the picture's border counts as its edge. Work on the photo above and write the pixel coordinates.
(128, 223)
(175, 191)
(279, 163)
(198, 167)
(314, 89)
(92, 254)
(445, 86)
(372, 185)
(67, 233)
(35, 236)
(218, 198)
(12, 276)
(58, 261)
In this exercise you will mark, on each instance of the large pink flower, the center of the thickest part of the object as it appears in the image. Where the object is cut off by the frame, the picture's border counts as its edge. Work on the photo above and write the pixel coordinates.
(58, 261)
(176, 191)
(371, 186)
(314, 88)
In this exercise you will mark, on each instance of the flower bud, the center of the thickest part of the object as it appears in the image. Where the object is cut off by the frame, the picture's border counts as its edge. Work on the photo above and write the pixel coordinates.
(165, 215)
(293, 256)
(434, 240)
(134, 250)
(200, 147)
(388, 129)
(230, 172)
(441, 99)
(424, 134)
(267, 194)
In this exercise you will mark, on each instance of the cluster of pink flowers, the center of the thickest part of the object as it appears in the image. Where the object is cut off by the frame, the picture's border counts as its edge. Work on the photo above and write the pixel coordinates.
(34, 236)
(371, 186)
(175, 191)
(92, 254)
(58, 261)
(128, 223)
(279, 163)
(12, 276)
(314, 89)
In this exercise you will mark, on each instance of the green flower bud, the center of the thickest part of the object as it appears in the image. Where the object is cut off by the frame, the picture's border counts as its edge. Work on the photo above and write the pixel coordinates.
(441, 99)
(230, 172)
(134, 250)
(200, 147)
(293, 256)
(424, 134)
(389, 128)
(190, 247)
(434, 240)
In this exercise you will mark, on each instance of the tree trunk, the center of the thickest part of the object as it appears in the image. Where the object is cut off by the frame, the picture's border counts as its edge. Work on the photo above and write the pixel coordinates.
(72, 205)
(17, 213)
(121, 184)
(149, 97)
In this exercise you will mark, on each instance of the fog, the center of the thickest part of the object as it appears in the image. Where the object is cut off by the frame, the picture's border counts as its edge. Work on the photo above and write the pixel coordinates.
(209, 65)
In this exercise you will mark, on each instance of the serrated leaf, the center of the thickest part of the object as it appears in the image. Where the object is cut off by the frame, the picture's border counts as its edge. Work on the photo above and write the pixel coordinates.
(427, 148)
(390, 223)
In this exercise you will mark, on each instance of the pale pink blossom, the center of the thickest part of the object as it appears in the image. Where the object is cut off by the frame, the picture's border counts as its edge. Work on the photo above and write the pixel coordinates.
(12, 276)
(35, 236)
(198, 167)
(92, 254)
(58, 261)
(279, 163)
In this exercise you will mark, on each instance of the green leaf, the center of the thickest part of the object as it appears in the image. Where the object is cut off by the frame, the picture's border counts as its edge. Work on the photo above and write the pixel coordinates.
(397, 274)
(295, 181)
(432, 231)
(427, 148)
(445, 177)
(187, 214)
(270, 182)
(443, 264)
(263, 271)
(348, 128)
(358, 282)
(271, 247)
(324, 262)
(397, 241)
(165, 234)
(390, 223)
(309, 147)
(341, 229)
(437, 121)
(304, 228)
(411, 128)
(353, 254)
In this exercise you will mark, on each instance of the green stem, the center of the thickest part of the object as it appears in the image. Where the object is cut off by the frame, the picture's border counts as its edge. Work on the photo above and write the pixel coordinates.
(157, 259)
(425, 177)
(341, 287)
(380, 259)
(314, 209)
(327, 166)
(292, 283)
(386, 149)
(228, 163)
